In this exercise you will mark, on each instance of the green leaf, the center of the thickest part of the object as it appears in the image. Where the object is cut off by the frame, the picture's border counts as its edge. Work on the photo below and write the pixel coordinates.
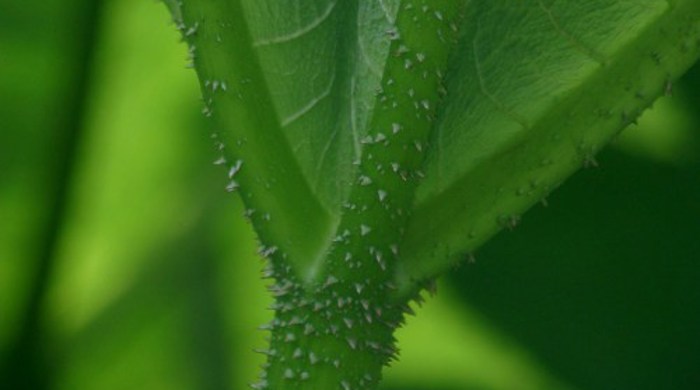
(536, 89)
(322, 67)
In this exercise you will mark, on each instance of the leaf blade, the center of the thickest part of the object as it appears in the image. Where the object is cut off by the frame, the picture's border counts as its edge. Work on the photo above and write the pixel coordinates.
(236, 94)
(519, 168)
(323, 61)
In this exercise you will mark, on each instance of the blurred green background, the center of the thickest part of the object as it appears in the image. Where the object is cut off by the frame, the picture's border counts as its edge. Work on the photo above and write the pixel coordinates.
(125, 264)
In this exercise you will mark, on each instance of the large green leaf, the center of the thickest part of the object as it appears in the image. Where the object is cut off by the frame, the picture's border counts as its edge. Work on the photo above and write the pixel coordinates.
(533, 90)
(537, 89)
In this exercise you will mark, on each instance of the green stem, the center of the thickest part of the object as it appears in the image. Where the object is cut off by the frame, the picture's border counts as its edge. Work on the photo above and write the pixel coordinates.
(337, 336)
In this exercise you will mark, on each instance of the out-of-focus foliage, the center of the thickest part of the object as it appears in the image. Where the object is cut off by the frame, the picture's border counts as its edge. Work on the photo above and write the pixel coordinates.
(150, 277)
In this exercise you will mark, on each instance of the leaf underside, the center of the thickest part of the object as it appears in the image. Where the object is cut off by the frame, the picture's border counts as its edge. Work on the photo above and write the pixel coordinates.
(529, 92)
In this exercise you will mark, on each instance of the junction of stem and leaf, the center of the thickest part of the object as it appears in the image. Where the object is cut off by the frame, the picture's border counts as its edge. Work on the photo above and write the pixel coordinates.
(336, 303)
(371, 142)
(341, 312)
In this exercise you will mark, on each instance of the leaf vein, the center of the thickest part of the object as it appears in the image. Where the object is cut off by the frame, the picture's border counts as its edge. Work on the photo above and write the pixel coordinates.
(484, 90)
(387, 14)
(310, 105)
(300, 32)
(353, 120)
(361, 49)
(575, 42)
